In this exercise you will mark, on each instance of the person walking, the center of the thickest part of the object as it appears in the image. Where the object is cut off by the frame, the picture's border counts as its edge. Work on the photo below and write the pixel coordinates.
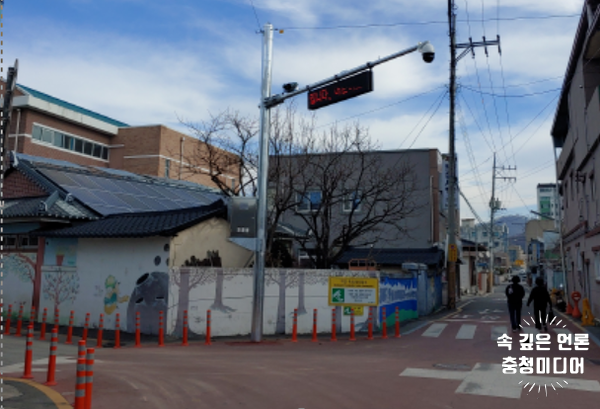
(514, 295)
(541, 298)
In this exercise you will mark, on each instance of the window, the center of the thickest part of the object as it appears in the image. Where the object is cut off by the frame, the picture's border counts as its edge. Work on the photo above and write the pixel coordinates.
(167, 167)
(484, 234)
(97, 151)
(47, 135)
(308, 202)
(87, 148)
(9, 241)
(104, 153)
(597, 265)
(352, 202)
(72, 143)
(78, 145)
(26, 241)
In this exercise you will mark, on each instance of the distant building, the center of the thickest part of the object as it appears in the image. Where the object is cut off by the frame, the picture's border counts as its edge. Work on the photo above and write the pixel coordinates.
(547, 200)
(480, 233)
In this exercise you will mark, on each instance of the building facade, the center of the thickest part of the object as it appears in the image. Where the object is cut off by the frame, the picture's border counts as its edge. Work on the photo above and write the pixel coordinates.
(480, 233)
(45, 126)
(547, 200)
(576, 138)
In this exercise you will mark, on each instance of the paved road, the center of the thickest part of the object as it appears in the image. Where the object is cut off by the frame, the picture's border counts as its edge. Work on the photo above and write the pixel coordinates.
(451, 362)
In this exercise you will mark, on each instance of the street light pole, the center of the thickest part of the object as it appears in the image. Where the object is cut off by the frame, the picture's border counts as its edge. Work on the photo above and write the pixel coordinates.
(263, 167)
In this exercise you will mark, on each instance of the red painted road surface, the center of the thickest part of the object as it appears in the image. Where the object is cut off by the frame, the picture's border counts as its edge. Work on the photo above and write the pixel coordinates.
(347, 375)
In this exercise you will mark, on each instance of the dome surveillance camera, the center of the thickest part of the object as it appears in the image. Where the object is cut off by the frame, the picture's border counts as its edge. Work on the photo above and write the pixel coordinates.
(427, 50)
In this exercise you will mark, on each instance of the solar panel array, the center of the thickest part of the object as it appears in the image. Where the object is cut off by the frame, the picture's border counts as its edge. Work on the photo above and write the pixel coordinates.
(112, 195)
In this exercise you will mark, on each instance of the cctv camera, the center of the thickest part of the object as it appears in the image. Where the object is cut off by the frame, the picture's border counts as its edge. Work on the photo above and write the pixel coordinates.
(290, 87)
(428, 51)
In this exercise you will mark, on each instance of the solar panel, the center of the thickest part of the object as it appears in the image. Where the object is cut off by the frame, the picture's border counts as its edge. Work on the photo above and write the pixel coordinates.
(133, 202)
(58, 177)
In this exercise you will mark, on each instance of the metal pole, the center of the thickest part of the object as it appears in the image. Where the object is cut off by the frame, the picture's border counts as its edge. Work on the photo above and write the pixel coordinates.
(263, 167)
(560, 232)
(492, 207)
(452, 170)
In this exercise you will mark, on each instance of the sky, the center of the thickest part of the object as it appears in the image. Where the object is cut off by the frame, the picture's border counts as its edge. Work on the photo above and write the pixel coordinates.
(155, 62)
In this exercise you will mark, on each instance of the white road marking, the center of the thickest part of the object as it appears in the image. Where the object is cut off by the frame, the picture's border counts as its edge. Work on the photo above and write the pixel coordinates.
(466, 331)
(497, 332)
(488, 380)
(434, 330)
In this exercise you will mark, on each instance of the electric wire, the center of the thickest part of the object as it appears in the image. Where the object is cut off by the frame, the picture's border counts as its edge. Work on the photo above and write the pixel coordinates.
(426, 123)
(441, 96)
(255, 15)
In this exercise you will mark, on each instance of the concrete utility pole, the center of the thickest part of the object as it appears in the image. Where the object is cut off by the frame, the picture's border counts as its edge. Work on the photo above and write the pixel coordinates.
(452, 198)
(495, 205)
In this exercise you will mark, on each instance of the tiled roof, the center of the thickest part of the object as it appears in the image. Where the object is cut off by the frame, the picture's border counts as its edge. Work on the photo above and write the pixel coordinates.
(54, 207)
(394, 257)
(72, 107)
(148, 224)
(110, 191)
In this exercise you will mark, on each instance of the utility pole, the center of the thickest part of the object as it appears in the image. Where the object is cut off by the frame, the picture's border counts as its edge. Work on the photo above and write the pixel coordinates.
(495, 204)
(452, 198)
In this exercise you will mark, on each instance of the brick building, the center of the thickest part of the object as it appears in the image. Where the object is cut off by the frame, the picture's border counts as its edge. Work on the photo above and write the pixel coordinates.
(45, 126)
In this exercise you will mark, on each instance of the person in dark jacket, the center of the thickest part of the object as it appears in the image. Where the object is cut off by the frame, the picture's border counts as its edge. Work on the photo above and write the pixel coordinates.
(514, 295)
(541, 298)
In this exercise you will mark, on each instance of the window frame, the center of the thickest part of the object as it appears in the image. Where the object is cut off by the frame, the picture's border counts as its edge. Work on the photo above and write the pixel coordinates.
(305, 198)
(347, 204)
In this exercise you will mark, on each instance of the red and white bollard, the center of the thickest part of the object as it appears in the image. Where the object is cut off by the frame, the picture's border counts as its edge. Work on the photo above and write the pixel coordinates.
(7, 326)
(161, 332)
(50, 380)
(86, 327)
(314, 331)
(19, 321)
(43, 329)
(352, 331)
(370, 323)
(117, 331)
(295, 327)
(89, 377)
(56, 318)
(100, 329)
(28, 354)
(397, 323)
(207, 342)
(333, 326)
(80, 383)
(184, 342)
(383, 324)
(137, 330)
(70, 329)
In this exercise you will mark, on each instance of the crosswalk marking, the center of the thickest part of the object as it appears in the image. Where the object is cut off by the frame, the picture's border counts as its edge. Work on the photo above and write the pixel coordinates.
(466, 331)
(434, 330)
(497, 332)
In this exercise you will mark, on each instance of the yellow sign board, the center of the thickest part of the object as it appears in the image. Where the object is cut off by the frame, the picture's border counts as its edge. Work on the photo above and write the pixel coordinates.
(519, 262)
(452, 253)
(355, 291)
(358, 310)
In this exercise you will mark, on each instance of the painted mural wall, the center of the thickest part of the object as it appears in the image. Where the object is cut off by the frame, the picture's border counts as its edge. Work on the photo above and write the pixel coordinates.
(100, 276)
(18, 274)
(227, 292)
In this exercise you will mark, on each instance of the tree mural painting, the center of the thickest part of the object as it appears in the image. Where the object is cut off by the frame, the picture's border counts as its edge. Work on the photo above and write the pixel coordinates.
(60, 286)
(304, 279)
(284, 279)
(21, 265)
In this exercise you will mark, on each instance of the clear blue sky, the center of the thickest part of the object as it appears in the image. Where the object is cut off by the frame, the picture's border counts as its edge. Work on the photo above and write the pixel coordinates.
(149, 62)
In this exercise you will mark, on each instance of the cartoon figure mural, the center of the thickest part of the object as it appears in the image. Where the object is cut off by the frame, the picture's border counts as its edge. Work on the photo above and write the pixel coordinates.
(111, 295)
(149, 297)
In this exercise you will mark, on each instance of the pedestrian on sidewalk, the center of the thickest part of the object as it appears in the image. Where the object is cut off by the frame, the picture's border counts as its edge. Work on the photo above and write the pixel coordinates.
(514, 295)
(541, 298)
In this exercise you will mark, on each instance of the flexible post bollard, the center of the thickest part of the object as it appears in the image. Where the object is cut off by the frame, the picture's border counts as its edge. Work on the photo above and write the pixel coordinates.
(43, 329)
(80, 383)
(69, 340)
(333, 336)
(314, 331)
(56, 318)
(7, 326)
(19, 321)
(397, 323)
(161, 333)
(137, 330)
(50, 379)
(207, 342)
(352, 331)
(295, 327)
(100, 329)
(28, 354)
(86, 327)
(184, 342)
(117, 331)
(383, 324)
(89, 377)
(370, 324)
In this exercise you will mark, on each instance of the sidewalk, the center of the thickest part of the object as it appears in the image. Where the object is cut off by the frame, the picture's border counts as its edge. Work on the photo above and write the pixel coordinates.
(24, 394)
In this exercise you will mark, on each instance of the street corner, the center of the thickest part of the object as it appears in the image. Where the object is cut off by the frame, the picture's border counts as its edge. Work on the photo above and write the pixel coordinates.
(25, 394)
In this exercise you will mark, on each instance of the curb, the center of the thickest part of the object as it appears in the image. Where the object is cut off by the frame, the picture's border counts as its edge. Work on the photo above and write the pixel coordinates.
(51, 394)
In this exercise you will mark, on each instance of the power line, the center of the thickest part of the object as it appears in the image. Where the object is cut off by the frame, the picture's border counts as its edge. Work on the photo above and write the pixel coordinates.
(426, 123)
(255, 15)
(511, 96)
(441, 96)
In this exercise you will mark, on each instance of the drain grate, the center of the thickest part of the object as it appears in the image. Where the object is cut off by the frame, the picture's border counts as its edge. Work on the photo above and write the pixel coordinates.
(453, 367)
